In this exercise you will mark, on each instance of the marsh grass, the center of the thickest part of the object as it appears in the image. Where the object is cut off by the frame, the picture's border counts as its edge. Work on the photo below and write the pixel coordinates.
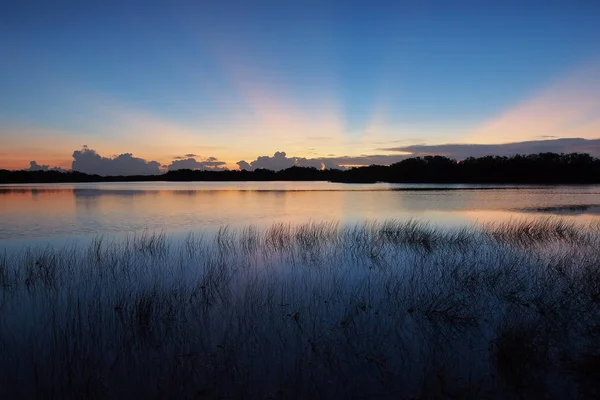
(387, 309)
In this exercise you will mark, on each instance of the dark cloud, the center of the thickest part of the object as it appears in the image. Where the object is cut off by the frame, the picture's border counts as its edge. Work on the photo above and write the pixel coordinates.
(278, 162)
(211, 163)
(88, 161)
(374, 159)
(190, 155)
(458, 151)
(462, 151)
(34, 166)
(317, 163)
(244, 165)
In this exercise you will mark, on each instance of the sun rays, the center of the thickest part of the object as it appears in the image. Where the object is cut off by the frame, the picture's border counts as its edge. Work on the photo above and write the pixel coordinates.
(569, 107)
(256, 110)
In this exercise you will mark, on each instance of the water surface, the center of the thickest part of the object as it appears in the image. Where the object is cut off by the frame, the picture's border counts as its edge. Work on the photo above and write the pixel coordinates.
(45, 212)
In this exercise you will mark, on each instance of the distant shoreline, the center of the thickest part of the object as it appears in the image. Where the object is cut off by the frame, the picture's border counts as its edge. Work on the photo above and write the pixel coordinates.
(543, 168)
(115, 316)
(474, 187)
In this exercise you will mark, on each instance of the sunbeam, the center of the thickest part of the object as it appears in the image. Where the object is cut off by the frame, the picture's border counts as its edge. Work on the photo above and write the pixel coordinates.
(569, 107)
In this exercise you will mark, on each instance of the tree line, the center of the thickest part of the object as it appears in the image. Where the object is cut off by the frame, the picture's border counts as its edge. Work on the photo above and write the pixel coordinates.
(533, 168)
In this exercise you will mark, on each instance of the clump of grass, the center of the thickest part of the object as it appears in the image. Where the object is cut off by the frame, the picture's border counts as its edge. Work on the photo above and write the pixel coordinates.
(392, 309)
(42, 267)
(412, 232)
(528, 232)
(151, 242)
(279, 237)
(250, 239)
(316, 234)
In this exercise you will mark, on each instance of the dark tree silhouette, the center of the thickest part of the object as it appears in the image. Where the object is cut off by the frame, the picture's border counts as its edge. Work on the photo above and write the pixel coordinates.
(533, 168)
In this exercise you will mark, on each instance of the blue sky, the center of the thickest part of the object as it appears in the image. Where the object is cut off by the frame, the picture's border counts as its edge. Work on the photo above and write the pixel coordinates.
(235, 80)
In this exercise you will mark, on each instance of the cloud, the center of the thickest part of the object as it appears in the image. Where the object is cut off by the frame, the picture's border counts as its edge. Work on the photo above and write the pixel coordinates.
(244, 165)
(211, 163)
(88, 161)
(34, 166)
(185, 156)
(462, 151)
(373, 159)
(280, 161)
(458, 151)
(317, 163)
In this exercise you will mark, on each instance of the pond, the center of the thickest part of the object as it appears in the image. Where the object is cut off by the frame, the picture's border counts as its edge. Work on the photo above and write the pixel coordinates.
(58, 212)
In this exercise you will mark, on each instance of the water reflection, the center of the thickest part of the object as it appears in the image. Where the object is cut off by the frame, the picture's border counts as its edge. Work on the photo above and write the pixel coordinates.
(577, 209)
(44, 211)
(108, 192)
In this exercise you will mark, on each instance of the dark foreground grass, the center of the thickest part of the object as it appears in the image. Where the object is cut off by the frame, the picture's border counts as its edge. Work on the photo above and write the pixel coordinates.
(376, 310)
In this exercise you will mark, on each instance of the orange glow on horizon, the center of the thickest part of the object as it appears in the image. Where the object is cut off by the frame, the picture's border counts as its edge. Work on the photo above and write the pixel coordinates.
(274, 121)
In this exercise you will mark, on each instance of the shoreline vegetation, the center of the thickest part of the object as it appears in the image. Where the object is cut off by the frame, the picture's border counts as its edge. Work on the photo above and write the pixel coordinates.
(542, 168)
(390, 309)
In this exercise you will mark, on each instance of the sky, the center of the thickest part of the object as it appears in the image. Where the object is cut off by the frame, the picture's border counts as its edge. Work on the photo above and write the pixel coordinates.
(152, 86)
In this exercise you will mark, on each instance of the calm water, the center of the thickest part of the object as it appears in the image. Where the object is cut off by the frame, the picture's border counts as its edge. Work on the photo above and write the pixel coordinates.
(51, 212)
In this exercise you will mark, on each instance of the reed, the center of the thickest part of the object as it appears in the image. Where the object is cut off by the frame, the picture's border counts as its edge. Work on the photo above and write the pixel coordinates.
(392, 309)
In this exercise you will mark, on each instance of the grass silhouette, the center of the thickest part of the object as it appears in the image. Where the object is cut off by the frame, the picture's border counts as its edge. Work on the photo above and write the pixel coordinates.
(378, 309)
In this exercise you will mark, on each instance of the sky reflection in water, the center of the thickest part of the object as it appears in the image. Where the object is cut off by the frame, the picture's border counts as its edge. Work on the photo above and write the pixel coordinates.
(43, 213)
